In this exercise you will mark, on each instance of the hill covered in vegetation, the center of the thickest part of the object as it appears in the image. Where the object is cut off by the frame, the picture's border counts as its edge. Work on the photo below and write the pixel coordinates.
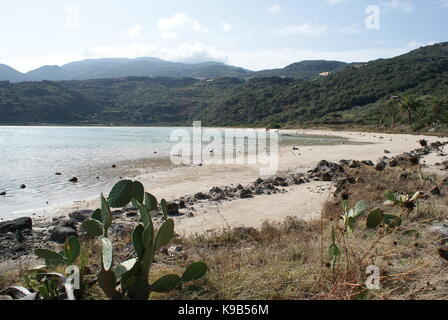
(372, 93)
(153, 67)
(303, 70)
(119, 68)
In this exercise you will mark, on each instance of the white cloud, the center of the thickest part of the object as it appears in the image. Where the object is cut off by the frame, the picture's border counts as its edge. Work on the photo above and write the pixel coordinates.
(304, 29)
(72, 18)
(378, 42)
(135, 32)
(440, 3)
(199, 52)
(185, 52)
(225, 26)
(279, 58)
(402, 5)
(250, 33)
(353, 29)
(275, 8)
(30, 62)
(336, 1)
(170, 27)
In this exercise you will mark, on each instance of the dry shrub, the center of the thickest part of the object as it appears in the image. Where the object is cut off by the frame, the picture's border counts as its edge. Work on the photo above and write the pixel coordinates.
(290, 260)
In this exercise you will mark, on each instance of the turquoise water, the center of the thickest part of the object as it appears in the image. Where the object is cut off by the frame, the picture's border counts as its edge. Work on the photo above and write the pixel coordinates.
(32, 156)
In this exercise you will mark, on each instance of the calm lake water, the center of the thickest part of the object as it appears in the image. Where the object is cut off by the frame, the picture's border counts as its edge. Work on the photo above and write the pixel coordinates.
(32, 156)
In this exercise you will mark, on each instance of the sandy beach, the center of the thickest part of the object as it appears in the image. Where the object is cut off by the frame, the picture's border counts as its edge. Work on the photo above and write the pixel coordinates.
(304, 201)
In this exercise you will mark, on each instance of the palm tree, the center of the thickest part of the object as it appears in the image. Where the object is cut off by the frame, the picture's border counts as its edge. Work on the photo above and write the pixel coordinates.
(409, 105)
(435, 110)
(391, 108)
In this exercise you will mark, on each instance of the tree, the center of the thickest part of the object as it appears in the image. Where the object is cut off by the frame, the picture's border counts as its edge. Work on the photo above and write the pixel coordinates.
(409, 105)
(391, 108)
(435, 110)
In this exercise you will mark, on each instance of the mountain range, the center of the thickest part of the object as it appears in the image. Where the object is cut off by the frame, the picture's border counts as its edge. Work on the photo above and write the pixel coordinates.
(357, 93)
(153, 67)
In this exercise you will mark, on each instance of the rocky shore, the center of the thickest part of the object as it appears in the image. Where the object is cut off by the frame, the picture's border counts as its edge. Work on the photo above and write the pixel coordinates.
(21, 236)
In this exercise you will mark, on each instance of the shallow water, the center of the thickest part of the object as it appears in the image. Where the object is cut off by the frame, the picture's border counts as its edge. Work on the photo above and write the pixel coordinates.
(32, 156)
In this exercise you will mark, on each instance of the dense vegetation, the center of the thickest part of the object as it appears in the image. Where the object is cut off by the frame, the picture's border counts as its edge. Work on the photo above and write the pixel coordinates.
(304, 69)
(374, 93)
(153, 67)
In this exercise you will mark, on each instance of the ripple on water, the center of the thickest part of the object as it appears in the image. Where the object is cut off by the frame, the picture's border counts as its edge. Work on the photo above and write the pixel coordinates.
(32, 156)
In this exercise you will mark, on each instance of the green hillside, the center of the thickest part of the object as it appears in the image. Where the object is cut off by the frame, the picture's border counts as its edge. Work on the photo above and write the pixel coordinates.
(355, 94)
(359, 94)
(121, 68)
(303, 69)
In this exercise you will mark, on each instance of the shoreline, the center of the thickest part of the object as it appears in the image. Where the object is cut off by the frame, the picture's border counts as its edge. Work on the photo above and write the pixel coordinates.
(201, 217)
(176, 182)
(141, 168)
(335, 128)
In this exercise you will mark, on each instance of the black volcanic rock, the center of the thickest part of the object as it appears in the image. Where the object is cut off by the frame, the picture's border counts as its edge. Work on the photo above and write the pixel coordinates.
(20, 224)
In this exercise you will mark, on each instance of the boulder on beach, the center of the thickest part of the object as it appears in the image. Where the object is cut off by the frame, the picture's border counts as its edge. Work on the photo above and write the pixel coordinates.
(131, 214)
(423, 142)
(280, 181)
(324, 165)
(326, 176)
(244, 193)
(414, 160)
(171, 251)
(173, 209)
(201, 196)
(20, 224)
(217, 193)
(81, 215)
(368, 163)
(182, 204)
(393, 162)
(381, 166)
(354, 164)
(67, 223)
(61, 234)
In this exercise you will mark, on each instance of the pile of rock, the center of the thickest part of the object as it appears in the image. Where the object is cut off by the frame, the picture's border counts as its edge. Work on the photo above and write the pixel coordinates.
(269, 186)
(410, 158)
(20, 224)
(17, 238)
(326, 171)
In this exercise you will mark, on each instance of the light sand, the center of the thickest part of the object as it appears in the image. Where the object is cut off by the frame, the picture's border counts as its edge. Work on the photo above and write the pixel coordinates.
(301, 201)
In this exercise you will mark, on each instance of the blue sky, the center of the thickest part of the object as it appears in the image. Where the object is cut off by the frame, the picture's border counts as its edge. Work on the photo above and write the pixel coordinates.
(255, 34)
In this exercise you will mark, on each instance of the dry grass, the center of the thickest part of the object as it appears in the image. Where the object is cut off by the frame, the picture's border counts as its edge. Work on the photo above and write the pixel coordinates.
(290, 260)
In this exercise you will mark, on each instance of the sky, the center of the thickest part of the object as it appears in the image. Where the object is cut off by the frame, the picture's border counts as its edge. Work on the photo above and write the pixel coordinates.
(253, 34)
